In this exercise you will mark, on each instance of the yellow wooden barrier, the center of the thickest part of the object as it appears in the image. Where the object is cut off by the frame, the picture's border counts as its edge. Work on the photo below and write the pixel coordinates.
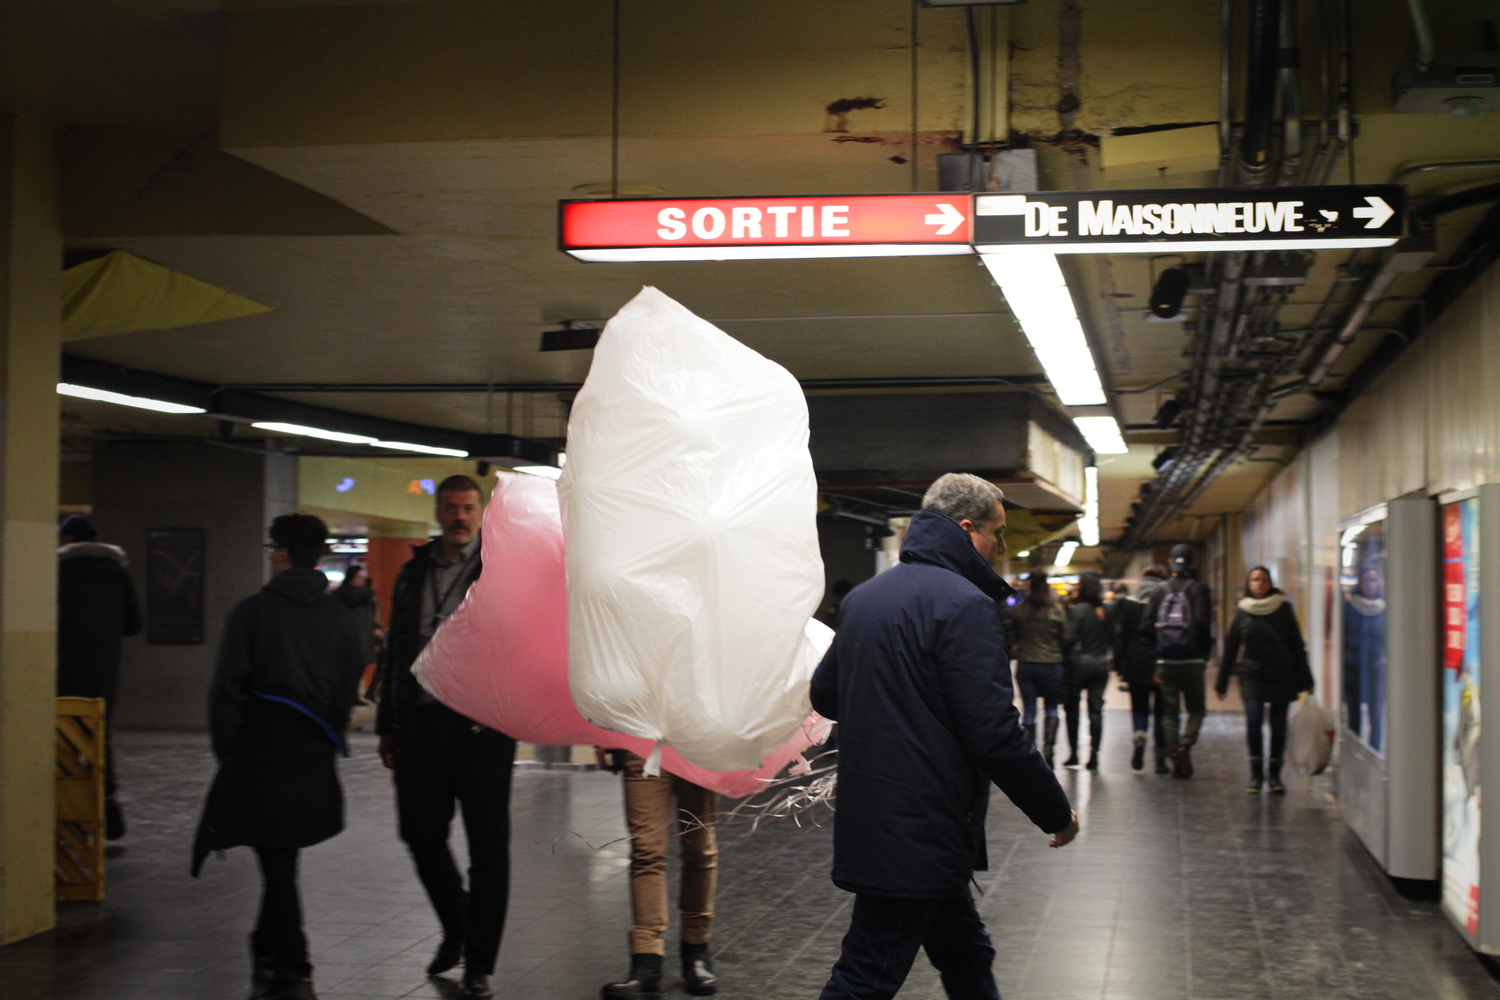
(80, 798)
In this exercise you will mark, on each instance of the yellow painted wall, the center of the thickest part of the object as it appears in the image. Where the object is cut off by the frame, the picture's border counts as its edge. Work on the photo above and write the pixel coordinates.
(30, 298)
(384, 495)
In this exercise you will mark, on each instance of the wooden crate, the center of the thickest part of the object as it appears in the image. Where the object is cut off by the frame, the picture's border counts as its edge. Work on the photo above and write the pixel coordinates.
(80, 799)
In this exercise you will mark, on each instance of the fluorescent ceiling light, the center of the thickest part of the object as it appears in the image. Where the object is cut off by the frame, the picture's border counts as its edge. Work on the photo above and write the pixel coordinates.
(1102, 434)
(1065, 553)
(1038, 295)
(1188, 246)
(1088, 525)
(141, 402)
(425, 449)
(547, 471)
(315, 432)
(614, 254)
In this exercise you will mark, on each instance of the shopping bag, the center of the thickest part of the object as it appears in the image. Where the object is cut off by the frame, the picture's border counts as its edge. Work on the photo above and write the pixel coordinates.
(690, 509)
(1312, 732)
(501, 658)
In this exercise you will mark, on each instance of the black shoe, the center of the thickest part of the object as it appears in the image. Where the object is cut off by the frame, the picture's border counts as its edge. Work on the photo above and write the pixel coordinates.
(1072, 760)
(1257, 776)
(295, 988)
(698, 971)
(1182, 763)
(476, 984)
(448, 954)
(1273, 779)
(642, 983)
(1093, 764)
(1138, 755)
(1049, 739)
(1161, 763)
(114, 820)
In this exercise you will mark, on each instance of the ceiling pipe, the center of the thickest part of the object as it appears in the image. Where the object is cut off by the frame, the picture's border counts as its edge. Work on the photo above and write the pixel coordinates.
(1226, 95)
(1425, 168)
(1260, 91)
(1290, 63)
(1346, 93)
(1423, 27)
(1325, 91)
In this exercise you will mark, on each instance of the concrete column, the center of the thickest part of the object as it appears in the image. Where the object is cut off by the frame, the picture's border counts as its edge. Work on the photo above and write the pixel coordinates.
(30, 332)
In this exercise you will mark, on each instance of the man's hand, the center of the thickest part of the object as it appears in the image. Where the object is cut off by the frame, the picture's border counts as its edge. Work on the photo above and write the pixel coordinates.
(1064, 837)
(388, 751)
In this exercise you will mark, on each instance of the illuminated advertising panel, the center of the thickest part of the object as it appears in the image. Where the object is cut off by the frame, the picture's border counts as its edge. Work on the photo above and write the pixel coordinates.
(1460, 693)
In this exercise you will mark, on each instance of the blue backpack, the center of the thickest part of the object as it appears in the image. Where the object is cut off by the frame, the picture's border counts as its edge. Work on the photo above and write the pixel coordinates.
(1176, 634)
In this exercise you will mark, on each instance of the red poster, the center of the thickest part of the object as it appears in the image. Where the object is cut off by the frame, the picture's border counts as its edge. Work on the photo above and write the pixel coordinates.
(1454, 622)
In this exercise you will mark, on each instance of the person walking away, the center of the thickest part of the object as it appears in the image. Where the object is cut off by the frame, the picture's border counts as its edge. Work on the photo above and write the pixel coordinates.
(1179, 624)
(1088, 659)
(917, 679)
(1041, 631)
(1272, 673)
(356, 594)
(1135, 660)
(286, 678)
(442, 759)
(652, 803)
(96, 609)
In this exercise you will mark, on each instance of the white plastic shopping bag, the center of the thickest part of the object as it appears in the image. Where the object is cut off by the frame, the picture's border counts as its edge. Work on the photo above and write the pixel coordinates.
(1312, 731)
(690, 507)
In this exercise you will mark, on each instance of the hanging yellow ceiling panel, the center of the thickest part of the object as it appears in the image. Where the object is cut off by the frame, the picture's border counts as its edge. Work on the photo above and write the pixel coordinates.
(121, 293)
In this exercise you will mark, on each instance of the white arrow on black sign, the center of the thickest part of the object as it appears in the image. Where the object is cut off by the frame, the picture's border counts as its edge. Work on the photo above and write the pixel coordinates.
(1377, 212)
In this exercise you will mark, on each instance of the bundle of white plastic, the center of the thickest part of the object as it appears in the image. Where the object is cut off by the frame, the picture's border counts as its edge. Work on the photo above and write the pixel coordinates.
(692, 549)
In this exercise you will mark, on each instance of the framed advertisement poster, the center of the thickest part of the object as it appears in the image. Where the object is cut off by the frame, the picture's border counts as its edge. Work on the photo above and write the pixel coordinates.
(174, 586)
(1461, 678)
(1362, 581)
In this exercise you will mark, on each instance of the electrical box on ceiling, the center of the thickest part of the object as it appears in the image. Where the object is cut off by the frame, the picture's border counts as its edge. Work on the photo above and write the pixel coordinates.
(1461, 84)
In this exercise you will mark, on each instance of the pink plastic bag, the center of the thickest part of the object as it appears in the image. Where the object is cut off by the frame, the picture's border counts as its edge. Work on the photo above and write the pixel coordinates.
(502, 657)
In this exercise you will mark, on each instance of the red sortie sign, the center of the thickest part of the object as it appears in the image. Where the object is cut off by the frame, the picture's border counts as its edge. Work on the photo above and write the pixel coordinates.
(705, 222)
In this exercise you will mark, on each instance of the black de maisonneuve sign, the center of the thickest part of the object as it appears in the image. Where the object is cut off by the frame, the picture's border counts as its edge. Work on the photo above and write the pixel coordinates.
(1190, 215)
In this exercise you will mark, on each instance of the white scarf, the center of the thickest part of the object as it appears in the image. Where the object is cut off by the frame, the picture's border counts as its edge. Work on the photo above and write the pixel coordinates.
(1367, 606)
(1262, 605)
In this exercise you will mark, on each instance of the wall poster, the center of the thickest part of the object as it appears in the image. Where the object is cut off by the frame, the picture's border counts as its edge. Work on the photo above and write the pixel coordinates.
(1460, 692)
(1362, 580)
(174, 586)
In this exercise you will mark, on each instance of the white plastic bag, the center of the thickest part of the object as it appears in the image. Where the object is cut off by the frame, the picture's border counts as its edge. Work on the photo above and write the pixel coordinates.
(690, 507)
(1312, 731)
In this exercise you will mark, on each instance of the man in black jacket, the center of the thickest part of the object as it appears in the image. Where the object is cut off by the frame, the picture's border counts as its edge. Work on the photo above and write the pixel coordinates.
(286, 678)
(918, 680)
(1181, 633)
(442, 758)
(96, 608)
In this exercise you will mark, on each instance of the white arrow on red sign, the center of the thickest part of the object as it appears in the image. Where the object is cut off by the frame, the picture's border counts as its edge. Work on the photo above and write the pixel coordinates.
(947, 219)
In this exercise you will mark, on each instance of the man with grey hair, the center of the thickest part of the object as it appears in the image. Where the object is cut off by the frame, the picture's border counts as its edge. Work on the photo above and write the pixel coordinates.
(918, 679)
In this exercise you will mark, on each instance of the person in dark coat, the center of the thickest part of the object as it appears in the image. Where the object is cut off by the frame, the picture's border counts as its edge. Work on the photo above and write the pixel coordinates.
(96, 609)
(1178, 626)
(1135, 661)
(356, 594)
(442, 759)
(1039, 628)
(1273, 672)
(919, 682)
(1087, 654)
(286, 678)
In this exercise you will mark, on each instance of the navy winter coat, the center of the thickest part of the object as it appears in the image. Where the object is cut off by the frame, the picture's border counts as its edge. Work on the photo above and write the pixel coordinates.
(919, 681)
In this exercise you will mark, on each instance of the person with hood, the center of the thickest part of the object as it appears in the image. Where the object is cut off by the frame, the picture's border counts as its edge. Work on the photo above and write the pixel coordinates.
(442, 759)
(357, 594)
(917, 678)
(1135, 661)
(286, 678)
(1364, 656)
(96, 609)
(1087, 654)
(1273, 672)
(1039, 627)
(1178, 625)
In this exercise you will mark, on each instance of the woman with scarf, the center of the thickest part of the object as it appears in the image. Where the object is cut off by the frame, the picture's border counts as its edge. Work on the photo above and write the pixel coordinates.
(1088, 655)
(1273, 672)
(1040, 632)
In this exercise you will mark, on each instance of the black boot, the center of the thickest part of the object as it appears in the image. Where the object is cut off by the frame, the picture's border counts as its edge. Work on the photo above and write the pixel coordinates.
(698, 971)
(1273, 780)
(1161, 761)
(1096, 737)
(1138, 755)
(295, 983)
(642, 983)
(1182, 762)
(476, 986)
(1049, 739)
(1072, 726)
(262, 974)
(448, 954)
(1257, 776)
(114, 820)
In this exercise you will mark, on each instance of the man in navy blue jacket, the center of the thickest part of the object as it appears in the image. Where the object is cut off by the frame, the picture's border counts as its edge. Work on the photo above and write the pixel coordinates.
(918, 679)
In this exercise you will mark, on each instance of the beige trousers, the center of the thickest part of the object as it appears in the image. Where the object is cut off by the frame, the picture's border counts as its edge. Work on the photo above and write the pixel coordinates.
(649, 815)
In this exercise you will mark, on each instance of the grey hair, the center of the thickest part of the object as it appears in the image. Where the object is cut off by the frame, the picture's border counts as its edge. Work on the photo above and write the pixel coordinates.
(963, 496)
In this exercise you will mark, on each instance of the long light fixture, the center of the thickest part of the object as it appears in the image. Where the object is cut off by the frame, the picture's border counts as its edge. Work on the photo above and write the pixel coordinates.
(315, 432)
(1102, 434)
(1088, 525)
(1038, 294)
(140, 402)
(770, 252)
(424, 449)
(1065, 553)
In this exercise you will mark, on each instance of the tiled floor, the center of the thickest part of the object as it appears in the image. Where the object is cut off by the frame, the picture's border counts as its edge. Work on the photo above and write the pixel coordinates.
(1174, 890)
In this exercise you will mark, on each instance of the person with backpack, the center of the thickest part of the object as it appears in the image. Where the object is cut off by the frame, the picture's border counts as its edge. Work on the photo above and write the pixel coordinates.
(1273, 672)
(1178, 624)
(1087, 659)
(1135, 662)
(1040, 632)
